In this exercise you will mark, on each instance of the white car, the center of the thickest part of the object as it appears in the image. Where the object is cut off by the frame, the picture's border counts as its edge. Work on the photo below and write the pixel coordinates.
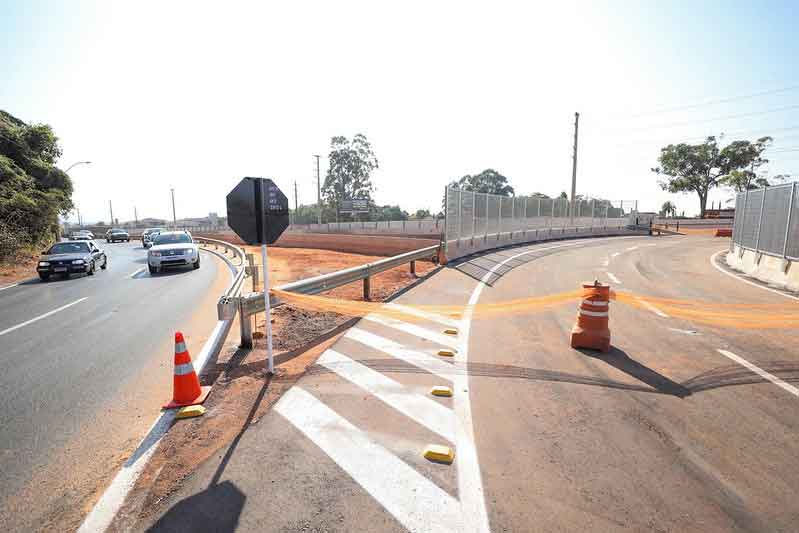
(173, 248)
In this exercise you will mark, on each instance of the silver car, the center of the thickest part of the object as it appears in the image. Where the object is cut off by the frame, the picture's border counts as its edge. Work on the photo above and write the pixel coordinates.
(171, 249)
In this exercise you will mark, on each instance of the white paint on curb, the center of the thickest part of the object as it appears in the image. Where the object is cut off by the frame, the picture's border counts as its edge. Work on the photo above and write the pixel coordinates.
(134, 274)
(760, 372)
(741, 279)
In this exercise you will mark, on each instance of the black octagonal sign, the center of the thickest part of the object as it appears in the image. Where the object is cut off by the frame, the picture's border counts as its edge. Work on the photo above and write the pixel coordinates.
(257, 210)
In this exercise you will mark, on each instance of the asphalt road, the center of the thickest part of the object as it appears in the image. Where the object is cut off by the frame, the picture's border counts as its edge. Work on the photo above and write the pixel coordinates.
(665, 433)
(84, 365)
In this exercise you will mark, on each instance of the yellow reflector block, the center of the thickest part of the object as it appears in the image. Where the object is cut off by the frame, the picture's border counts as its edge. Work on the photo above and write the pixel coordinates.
(447, 353)
(439, 454)
(191, 411)
(441, 390)
(451, 331)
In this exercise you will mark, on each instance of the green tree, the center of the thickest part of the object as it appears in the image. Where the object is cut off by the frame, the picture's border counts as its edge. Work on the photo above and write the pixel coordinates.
(668, 208)
(351, 163)
(389, 212)
(701, 167)
(488, 181)
(422, 213)
(33, 192)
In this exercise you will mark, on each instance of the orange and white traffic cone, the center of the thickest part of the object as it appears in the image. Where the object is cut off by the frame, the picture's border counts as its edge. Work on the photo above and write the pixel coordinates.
(591, 330)
(187, 389)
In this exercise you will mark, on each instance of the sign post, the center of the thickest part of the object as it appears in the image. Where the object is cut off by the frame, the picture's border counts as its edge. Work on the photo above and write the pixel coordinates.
(258, 212)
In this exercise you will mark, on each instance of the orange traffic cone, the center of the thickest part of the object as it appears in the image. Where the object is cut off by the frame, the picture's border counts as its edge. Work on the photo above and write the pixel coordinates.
(187, 389)
(591, 329)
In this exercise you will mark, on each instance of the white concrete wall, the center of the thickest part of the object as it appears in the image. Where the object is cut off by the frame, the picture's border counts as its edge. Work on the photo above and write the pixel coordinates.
(776, 271)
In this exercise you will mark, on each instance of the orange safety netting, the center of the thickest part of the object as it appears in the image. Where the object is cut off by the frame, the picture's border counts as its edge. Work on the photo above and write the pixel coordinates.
(737, 315)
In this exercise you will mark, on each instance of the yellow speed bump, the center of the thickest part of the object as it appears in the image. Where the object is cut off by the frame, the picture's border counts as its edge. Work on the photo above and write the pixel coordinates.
(439, 454)
(441, 390)
(191, 411)
(447, 353)
(450, 331)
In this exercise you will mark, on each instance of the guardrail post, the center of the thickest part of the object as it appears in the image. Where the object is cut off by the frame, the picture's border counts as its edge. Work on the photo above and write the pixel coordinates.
(366, 287)
(245, 324)
(413, 268)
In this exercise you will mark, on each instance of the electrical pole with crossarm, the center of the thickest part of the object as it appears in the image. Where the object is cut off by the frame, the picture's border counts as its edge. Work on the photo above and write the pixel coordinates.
(574, 168)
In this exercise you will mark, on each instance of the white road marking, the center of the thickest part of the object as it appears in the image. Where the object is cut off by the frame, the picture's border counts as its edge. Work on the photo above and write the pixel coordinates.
(614, 279)
(421, 409)
(739, 278)
(32, 320)
(759, 371)
(432, 317)
(9, 286)
(415, 330)
(617, 254)
(685, 331)
(652, 308)
(631, 248)
(134, 274)
(415, 501)
(420, 359)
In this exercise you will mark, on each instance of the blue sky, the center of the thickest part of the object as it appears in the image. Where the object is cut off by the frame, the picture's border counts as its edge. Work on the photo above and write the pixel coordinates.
(194, 95)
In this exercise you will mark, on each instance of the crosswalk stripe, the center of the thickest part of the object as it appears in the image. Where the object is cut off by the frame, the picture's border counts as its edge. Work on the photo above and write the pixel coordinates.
(432, 317)
(394, 349)
(425, 411)
(413, 329)
(415, 501)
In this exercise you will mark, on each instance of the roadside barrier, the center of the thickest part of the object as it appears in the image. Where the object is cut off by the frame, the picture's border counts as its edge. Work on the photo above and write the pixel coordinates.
(186, 384)
(724, 232)
(591, 330)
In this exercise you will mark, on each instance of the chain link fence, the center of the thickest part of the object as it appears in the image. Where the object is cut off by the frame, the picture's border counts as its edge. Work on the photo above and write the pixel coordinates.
(767, 221)
(480, 221)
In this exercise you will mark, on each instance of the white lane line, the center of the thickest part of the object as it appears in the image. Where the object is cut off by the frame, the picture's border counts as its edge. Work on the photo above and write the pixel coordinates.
(394, 349)
(432, 317)
(8, 286)
(739, 278)
(685, 331)
(425, 411)
(415, 330)
(134, 274)
(614, 279)
(617, 254)
(631, 248)
(32, 320)
(759, 371)
(652, 308)
(415, 501)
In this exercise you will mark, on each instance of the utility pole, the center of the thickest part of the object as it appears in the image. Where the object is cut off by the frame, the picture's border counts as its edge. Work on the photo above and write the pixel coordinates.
(135, 215)
(574, 166)
(78, 211)
(174, 218)
(110, 208)
(318, 193)
(295, 201)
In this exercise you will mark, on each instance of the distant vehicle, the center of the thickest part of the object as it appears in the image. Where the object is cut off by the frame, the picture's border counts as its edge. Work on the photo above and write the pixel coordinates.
(173, 248)
(71, 257)
(148, 235)
(114, 235)
(81, 235)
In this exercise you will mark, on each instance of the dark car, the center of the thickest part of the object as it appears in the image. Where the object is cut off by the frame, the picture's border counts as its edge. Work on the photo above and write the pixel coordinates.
(71, 257)
(149, 235)
(114, 235)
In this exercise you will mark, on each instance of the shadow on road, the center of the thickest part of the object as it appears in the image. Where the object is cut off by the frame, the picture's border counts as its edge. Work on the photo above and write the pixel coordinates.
(618, 359)
(217, 509)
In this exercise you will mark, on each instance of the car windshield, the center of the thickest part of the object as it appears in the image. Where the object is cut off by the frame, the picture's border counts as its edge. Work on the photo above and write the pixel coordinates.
(172, 238)
(117, 231)
(69, 248)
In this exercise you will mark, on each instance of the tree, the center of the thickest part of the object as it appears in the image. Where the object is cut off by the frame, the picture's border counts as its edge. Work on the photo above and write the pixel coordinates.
(33, 192)
(349, 171)
(701, 167)
(743, 179)
(668, 208)
(563, 195)
(488, 181)
(422, 213)
(390, 212)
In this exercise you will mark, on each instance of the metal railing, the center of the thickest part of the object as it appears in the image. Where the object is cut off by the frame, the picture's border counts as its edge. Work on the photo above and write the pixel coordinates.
(253, 303)
(767, 221)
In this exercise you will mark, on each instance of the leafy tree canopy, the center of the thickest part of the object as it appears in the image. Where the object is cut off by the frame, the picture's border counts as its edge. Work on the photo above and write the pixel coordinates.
(350, 169)
(422, 213)
(488, 181)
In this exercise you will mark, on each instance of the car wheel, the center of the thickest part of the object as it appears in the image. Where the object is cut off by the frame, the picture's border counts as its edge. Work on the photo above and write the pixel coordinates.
(90, 272)
(105, 263)
(153, 270)
(44, 276)
(197, 264)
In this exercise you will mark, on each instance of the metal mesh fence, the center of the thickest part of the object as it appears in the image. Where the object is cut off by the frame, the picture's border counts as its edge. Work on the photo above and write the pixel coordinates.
(478, 221)
(767, 220)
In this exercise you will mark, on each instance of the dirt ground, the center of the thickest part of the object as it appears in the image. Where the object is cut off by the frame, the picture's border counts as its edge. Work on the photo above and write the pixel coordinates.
(23, 268)
(242, 393)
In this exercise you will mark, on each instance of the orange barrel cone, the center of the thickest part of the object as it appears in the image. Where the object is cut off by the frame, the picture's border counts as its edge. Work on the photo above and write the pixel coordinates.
(591, 330)
(187, 389)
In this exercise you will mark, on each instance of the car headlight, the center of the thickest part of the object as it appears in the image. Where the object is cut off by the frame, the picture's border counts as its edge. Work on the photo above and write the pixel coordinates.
(44, 263)
(188, 251)
(155, 254)
(78, 262)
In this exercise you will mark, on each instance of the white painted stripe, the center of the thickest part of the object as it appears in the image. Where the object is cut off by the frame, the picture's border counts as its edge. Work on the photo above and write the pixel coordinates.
(617, 254)
(413, 329)
(759, 371)
(652, 308)
(425, 411)
(433, 317)
(631, 248)
(739, 278)
(9, 286)
(32, 320)
(394, 349)
(180, 347)
(593, 313)
(685, 331)
(614, 279)
(596, 303)
(415, 501)
(134, 274)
